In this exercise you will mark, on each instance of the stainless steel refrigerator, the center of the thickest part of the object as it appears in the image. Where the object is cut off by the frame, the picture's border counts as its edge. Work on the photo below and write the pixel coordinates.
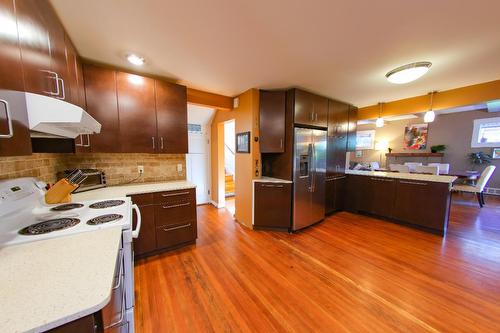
(309, 171)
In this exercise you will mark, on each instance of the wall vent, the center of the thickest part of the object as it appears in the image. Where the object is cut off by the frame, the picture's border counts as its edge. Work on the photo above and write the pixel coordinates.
(492, 190)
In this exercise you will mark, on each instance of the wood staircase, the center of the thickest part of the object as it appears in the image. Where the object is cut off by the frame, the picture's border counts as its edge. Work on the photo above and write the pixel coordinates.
(229, 185)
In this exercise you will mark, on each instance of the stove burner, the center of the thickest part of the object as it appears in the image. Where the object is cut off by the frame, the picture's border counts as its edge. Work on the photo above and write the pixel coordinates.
(66, 207)
(107, 204)
(49, 226)
(104, 219)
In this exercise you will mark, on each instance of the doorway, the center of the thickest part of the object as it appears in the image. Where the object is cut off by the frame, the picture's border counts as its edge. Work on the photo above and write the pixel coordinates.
(198, 157)
(229, 164)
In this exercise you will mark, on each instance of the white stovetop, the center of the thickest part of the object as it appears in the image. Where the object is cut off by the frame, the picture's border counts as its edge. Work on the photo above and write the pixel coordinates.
(51, 282)
(409, 176)
(124, 190)
(11, 224)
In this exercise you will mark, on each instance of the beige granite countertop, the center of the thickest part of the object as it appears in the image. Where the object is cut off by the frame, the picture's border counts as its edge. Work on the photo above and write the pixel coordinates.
(130, 189)
(48, 283)
(271, 180)
(409, 176)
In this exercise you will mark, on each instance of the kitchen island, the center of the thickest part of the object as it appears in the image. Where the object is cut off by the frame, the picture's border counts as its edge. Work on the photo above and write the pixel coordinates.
(419, 200)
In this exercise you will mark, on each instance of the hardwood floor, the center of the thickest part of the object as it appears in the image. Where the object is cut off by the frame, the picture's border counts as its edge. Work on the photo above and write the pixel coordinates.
(350, 273)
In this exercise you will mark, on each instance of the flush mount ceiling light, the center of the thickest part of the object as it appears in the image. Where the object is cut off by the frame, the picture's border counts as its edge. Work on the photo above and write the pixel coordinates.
(135, 59)
(408, 73)
(430, 115)
(380, 120)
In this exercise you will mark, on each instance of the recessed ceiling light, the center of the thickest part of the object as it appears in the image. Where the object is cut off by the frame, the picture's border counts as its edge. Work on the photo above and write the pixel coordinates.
(135, 59)
(408, 73)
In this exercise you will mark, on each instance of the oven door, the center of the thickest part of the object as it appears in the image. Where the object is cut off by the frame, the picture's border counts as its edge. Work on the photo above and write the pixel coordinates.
(114, 314)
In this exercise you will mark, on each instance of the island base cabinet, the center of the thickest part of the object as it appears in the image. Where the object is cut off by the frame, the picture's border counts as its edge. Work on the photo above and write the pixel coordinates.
(423, 203)
(168, 220)
(273, 205)
(420, 203)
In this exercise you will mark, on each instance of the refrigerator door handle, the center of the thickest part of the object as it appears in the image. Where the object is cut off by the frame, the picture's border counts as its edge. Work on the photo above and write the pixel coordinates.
(310, 166)
(313, 174)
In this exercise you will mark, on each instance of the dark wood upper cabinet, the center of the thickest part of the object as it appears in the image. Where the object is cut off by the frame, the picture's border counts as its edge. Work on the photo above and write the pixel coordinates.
(310, 109)
(14, 127)
(352, 127)
(11, 73)
(35, 47)
(57, 42)
(102, 104)
(71, 83)
(337, 137)
(171, 115)
(136, 102)
(272, 121)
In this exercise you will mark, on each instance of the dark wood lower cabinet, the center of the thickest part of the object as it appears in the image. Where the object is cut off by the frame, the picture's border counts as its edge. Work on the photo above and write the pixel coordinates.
(273, 205)
(88, 324)
(168, 221)
(335, 193)
(420, 203)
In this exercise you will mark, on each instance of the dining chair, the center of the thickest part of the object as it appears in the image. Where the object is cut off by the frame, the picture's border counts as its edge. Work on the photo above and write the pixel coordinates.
(399, 168)
(374, 165)
(479, 187)
(444, 168)
(432, 169)
(412, 165)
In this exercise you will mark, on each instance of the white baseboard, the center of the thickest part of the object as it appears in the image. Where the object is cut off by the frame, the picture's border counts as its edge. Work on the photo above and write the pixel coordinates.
(492, 190)
(215, 204)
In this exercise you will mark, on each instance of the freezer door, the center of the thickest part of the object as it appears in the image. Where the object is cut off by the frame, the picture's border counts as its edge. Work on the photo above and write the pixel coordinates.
(302, 174)
(319, 138)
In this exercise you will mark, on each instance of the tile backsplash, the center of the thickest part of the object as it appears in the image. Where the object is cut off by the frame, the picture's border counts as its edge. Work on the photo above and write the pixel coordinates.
(122, 168)
(119, 168)
(41, 166)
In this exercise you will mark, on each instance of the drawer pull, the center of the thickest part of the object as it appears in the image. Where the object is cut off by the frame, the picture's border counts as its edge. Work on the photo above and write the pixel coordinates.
(412, 183)
(382, 179)
(178, 227)
(269, 185)
(174, 194)
(177, 205)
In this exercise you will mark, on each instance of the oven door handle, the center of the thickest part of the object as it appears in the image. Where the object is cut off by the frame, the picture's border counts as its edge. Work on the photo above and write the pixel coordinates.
(135, 233)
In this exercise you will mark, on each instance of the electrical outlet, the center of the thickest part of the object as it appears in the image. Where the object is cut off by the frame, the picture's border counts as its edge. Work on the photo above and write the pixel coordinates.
(179, 167)
(140, 169)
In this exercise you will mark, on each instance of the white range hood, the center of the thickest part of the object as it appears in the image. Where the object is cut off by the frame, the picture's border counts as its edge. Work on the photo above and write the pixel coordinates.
(56, 118)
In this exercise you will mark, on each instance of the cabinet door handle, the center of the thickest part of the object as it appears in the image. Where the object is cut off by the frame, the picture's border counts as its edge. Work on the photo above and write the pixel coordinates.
(174, 194)
(412, 183)
(53, 76)
(81, 141)
(63, 97)
(315, 117)
(153, 139)
(161, 143)
(178, 227)
(177, 205)
(382, 179)
(9, 120)
(281, 143)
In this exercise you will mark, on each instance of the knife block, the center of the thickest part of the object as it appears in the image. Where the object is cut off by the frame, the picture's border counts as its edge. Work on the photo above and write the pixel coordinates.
(60, 192)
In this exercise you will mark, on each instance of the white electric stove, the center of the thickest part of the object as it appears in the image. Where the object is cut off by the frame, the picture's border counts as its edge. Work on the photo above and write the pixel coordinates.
(24, 217)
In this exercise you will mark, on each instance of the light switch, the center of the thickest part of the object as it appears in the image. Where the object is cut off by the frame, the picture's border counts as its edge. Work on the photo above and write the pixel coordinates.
(179, 167)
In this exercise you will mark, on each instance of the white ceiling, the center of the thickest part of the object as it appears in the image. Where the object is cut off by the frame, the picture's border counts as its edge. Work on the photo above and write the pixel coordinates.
(199, 114)
(341, 49)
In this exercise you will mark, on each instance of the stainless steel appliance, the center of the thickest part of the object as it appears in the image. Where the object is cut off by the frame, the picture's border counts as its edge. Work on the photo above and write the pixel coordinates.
(94, 179)
(26, 218)
(309, 171)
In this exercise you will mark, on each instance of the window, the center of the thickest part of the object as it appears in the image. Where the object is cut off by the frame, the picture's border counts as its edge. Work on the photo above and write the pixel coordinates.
(365, 139)
(486, 133)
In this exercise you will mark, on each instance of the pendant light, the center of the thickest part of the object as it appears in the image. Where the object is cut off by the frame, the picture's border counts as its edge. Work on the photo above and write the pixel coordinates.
(380, 120)
(430, 115)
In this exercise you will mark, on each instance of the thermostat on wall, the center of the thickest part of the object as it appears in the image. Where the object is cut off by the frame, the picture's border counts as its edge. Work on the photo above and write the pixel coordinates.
(236, 102)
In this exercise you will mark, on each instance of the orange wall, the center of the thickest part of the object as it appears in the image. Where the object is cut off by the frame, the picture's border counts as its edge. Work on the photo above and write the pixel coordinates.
(470, 95)
(246, 120)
